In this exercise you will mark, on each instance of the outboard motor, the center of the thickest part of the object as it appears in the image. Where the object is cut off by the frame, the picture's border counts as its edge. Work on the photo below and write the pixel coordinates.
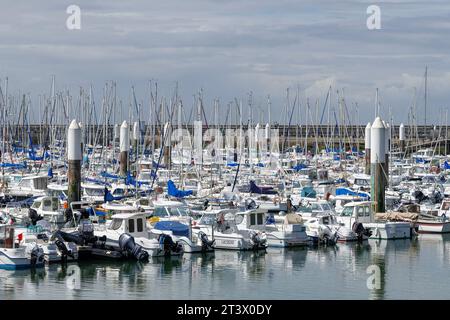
(259, 240)
(360, 231)
(419, 196)
(127, 244)
(205, 204)
(250, 204)
(206, 244)
(34, 216)
(36, 254)
(168, 245)
(59, 242)
(327, 237)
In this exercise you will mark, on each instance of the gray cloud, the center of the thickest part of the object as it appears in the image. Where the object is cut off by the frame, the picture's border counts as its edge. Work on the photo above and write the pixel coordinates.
(229, 48)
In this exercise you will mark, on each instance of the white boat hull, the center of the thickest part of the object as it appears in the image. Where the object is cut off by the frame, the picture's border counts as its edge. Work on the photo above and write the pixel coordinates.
(389, 230)
(433, 226)
(13, 259)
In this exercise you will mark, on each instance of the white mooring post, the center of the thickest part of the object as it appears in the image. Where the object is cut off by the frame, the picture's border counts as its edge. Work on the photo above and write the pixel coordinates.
(377, 161)
(124, 148)
(74, 157)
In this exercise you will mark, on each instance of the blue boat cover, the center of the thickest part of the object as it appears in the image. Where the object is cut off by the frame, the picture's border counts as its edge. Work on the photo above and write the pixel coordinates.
(255, 189)
(446, 165)
(299, 167)
(173, 191)
(14, 165)
(347, 191)
(109, 197)
(177, 228)
(308, 192)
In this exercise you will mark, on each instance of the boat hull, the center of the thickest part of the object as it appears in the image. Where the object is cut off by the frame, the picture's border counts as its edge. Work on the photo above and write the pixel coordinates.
(389, 230)
(433, 227)
(13, 259)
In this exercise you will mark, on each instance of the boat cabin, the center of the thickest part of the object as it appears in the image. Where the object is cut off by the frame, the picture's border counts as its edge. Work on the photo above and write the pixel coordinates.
(131, 223)
(170, 210)
(356, 212)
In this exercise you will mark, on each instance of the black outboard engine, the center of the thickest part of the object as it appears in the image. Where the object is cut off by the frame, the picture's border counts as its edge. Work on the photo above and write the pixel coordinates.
(59, 242)
(419, 196)
(36, 257)
(168, 245)
(360, 231)
(83, 237)
(205, 204)
(258, 241)
(34, 216)
(127, 244)
(250, 204)
(206, 244)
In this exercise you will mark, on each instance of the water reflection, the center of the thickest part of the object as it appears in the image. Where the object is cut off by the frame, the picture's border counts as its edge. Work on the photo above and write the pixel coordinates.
(337, 272)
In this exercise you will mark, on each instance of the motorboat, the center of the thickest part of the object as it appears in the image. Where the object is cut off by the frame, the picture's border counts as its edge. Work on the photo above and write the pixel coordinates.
(221, 226)
(282, 230)
(359, 216)
(14, 256)
(323, 228)
(133, 225)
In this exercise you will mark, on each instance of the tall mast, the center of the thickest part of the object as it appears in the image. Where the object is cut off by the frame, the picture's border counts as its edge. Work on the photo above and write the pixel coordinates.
(426, 83)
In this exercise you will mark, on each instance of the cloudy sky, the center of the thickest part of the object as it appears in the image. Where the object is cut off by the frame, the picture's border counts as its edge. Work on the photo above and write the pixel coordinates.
(232, 47)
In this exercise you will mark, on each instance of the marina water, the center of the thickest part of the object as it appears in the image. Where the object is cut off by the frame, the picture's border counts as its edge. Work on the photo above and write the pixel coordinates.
(410, 268)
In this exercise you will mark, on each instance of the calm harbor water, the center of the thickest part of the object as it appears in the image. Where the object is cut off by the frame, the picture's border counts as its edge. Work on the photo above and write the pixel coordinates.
(410, 269)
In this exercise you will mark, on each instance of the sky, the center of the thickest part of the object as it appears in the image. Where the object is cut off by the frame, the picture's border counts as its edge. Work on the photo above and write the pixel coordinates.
(229, 48)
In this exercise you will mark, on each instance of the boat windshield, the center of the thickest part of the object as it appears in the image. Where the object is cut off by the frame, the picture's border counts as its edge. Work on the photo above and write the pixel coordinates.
(118, 192)
(326, 207)
(36, 205)
(115, 224)
(94, 192)
(362, 182)
(347, 212)
(179, 211)
(207, 219)
(160, 212)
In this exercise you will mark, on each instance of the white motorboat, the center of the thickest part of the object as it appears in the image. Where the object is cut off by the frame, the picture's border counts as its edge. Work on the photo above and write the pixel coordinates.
(55, 249)
(323, 228)
(14, 256)
(221, 226)
(134, 225)
(283, 230)
(359, 216)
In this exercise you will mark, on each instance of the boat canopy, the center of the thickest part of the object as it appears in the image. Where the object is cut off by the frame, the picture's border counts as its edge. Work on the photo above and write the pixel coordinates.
(173, 191)
(177, 228)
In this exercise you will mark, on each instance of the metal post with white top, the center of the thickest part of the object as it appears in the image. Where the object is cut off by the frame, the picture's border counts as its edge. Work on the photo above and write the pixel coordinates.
(74, 156)
(377, 160)
(367, 148)
(124, 147)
